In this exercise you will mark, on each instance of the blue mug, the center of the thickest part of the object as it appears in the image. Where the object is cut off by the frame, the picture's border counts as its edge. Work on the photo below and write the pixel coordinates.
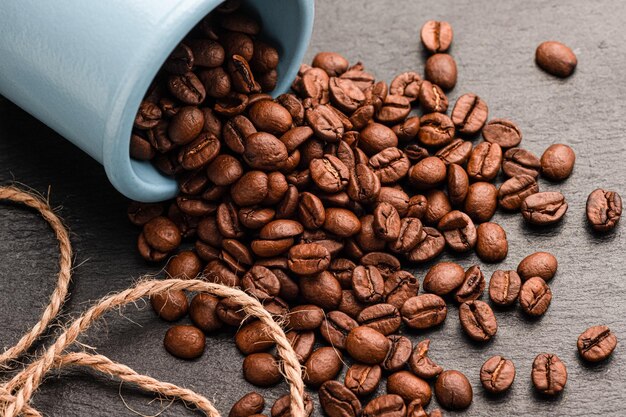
(83, 66)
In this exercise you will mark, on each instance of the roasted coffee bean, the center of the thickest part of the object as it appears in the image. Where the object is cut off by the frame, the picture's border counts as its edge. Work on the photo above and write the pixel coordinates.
(239, 22)
(497, 374)
(406, 84)
(161, 234)
(481, 201)
(399, 287)
(362, 379)
(409, 387)
(342, 268)
(207, 53)
(458, 230)
(255, 218)
(264, 151)
(323, 290)
(289, 204)
(390, 165)
(323, 365)
(385, 262)
(409, 235)
(302, 344)
(396, 197)
(362, 116)
(484, 161)
(228, 222)
(200, 152)
(345, 94)
(193, 183)
(216, 271)
(469, 114)
(477, 320)
(269, 116)
(424, 311)
(438, 205)
(186, 125)
(436, 130)
(415, 409)
(368, 284)
(432, 99)
(556, 58)
(376, 94)
(389, 405)
(329, 173)
(327, 240)
(430, 246)
(384, 318)
(184, 342)
(504, 287)
(538, 264)
(364, 184)
(238, 48)
(261, 282)
(331, 62)
(261, 369)
(251, 189)
(231, 105)
(395, 108)
(281, 229)
(418, 204)
(399, 352)
(265, 57)
(557, 162)
(216, 82)
(544, 208)
(268, 248)
(387, 222)
(341, 222)
(294, 107)
(249, 404)
(224, 170)
(436, 36)
(141, 213)
(549, 374)
(376, 137)
(367, 345)
(350, 304)
(472, 287)
(415, 153)
(180, 61)
(514, 191)
(203, 312)
(282, 406)
(596, 343)
(185, 265)
(457, 152)
(491, 244)
(453, 390)
(305, 317)
(344, 152)
(407, 130)
(503, 132)
(187, 88)
(604, 209)
(441, 69)
(427, 173)
(421, 364)
(314, 85)
(443, 278)
(308, 259)
(195, 206)
(336, 327)
(458, 184)
(325, 122)
(338, 401)
(230, 312)
(254, 337)
(236, 131)
(171, 305)
(535, 297)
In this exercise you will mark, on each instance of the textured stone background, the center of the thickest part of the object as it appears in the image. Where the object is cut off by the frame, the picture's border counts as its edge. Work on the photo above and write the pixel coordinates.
(494, 48)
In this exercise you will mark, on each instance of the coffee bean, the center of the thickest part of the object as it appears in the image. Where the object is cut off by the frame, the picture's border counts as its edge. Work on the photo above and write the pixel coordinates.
(282, 406)
(431, 246)
(384, 318)
(415, 409)
(207, 53)
(261, 369)
(497, 374)
(218, 272)
(251, 189)
(230, 312)
(302, 344)
(424, 311)
(187, 88)
(364, 184)
(390, 165)
(172, 305)
(254, 337)
(458, 184)
(469, 114)
(305, 317)
(323, 365)
(331, 62)
(557, 162)
(596, 343)
(544, 208)
(481, 201)
(345, 94)
(503, 132)
(184, 341)
(457, 152)
(432, 99)
(399, 287)
(427, 173)
(514, 191)
(415, 153)
(491, 244)
(224, 170)
(368, 284)
(472, 287)
(409, 236)
(436, 36)
(236, 131)
(203, 312)
(441, 69)
(376, 94)
(484, 161)
(385, 262)
(231, 105)
(504, 287)
(308, 259)
(367, 345)
(443, 278)
(202, 150)
(281, 229)
(604, 209)
(341, 222)
(255, 218)
(377, 137)
(535, 297)
(141, 213)
(180, 61)
(453, 390)
(329, 173)
(323, 290)
(409, 387)
(186, 125)
(406, 84)
(342, 268)
(399, 353)
(362, 379)
(556, 58)
(458, 230)
(549, 374)
(407, 130)
(477, 320)
(436, 130)
(387, 222)
(264, 151)
(338, 401)
(269, 116)
(421, 364)
(185, 265)
(161, 234)
(325, 123)
(396, 197)
(336, 327)
(395, 108)
(349, 304)
(216, 82)
(389, 405)
(249, 404)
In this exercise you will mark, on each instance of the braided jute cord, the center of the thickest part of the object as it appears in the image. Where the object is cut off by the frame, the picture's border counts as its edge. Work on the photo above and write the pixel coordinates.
(15, 395)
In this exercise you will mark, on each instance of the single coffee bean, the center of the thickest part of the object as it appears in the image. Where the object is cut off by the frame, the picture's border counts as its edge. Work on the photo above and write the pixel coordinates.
(436, 130)
(311, 211)
(269, 116)
(407, 130)
(251, 189)
(367, 345)
(535, 297)
(557, 162)
(329, 173)
(384, 318)
(386, 263)
(396, 197)
(172, 305)
(323, 365)
(415, 153)
(331, 62)
(235, 133)
(305, 317)
(549, 374)
(254, 337)
(323, 290)
(596, 343)
(249, 404)
(364, 184)
(424, 311)
(503, 132)
(325, 123)
(432, 99)
(478, 320)
(458, 184)
(362, 379)
(161, 234)
(390, 165)
(469, 114)
(256, 218)
(395, 108)
(484, 161)
(472, 287)
(342, 268)
(228, 221)
(409, 387)
(436, 36)
(604, 209)
(264, 151)
(341, 222)
(406, 84)
(389, 405)
(224, 170)
(308, 259)
(504, 287)
(421, 364)
(427, 173)
(387, 222)
(302, 344)
(443, 278)
(376, 94)
(441, 69)
(203, 312)
(538, 264)
(186, 125)
(338, 401)
(216, 82)
(399, 353)
(281, 229)
(491, 243)
(376, 137)
(481, 201)
(187, 88)
(230, 312)
(453, 390)
(556, 58)
(368, 284)
(415, 409)
(457, 152)
(336, 327)
(497, 374)
(198, 153)
(514, 191)
(261, 369)
(431, 245)
(345, 94)
(409, 235)
(184, 341)
(544, 208)
(185, 265)
(207, 53)
(458, 230)
(399, 287)
(180, 61)
(282, 406)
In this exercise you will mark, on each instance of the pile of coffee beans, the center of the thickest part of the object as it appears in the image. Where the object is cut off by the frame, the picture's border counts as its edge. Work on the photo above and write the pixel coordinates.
(313, 202)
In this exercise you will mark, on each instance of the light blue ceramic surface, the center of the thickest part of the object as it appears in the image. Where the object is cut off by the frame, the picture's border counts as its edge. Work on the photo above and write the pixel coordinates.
(83, 66)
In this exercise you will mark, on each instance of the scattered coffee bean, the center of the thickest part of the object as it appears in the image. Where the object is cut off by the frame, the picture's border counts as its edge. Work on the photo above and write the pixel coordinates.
(544, 208)
(538, 264)
(338, 401)
(497, 374)
(436, 130)
(171, 305)
(409, 387)
(503, 132)
(421, 364)
(253, 338)
(336, 327)
(453, 390)
(441, 69)
(424, 311)
(472, 287)
(282, 406)
(556, 58)
(481, 201)
(323, 365)
(443, 278)
(504, 287)
(432, 99)
(184, 341)
(549, 374)
(478, 320)
(389, 405)
(367, 345)
(596, 343)
(535, 297)
(302, 344)
(458, 230)
(604, 209)
(362, 379)
(484, 161)
(250, 404)
(557, 162)
(261, 369)
(514, 191)
(491, 243)
(384, 318)
(436, 36)
(518, 161)
(399, 353)
(469, 114)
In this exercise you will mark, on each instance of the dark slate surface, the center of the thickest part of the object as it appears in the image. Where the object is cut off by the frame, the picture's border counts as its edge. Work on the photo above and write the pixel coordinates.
(494, 48)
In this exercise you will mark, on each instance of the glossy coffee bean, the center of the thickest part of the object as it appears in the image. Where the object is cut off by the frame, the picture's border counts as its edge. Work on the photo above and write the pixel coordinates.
(269, 116)
(491, 243)
(535, 297)
(399, 353)
(385, 262)
(481, 201)
(362, 379)
(264, 151)
(331, 62)
(249, 404)
(477, 320)
(431, 245)
(469, 114)
(235, 133)
(549, 374)
(514, 191)
(325, 123)
(305, 317)
(458, 184)
(409, 236)
(323, 290)
(186, 125)
(184, 342)
(180, 61)
(387, 222)
(261, 369)
(368, 284)
(338, 401)
(604, 209)
(424, 311)
(415, 409)
(432, 99)
(416, 152)
(399, 287)
(198, 153)
(171, 305)
(472, 287)
(409, 387)
(407, 130)
(364, 184)
(336, 327)
(376, 137)
(141, 213)
(484, 161)
(187, 88)
(453, 390)
(389, 405)
(503, 132)
(436, 36)
(203, 312)
(427, 173)
(385, 318)
(308, 259)
(396, 197)
(329, 173)
(421, 364)
(538, 264)
(395, 108)
(185, 265)
(544, 208)
(367, 345)
(345, 95)
(323, 365)
(302, 344)
(443, 278)
(436, 130)
(504, 287)
(497, 374)
(341, 222)
(557, 162)
(390, 165)
(441, 69)
(458, 230)
(556, 58)
(596, 343)
(406, 84)
(253, 337)
(224, 170)
(457, 152)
